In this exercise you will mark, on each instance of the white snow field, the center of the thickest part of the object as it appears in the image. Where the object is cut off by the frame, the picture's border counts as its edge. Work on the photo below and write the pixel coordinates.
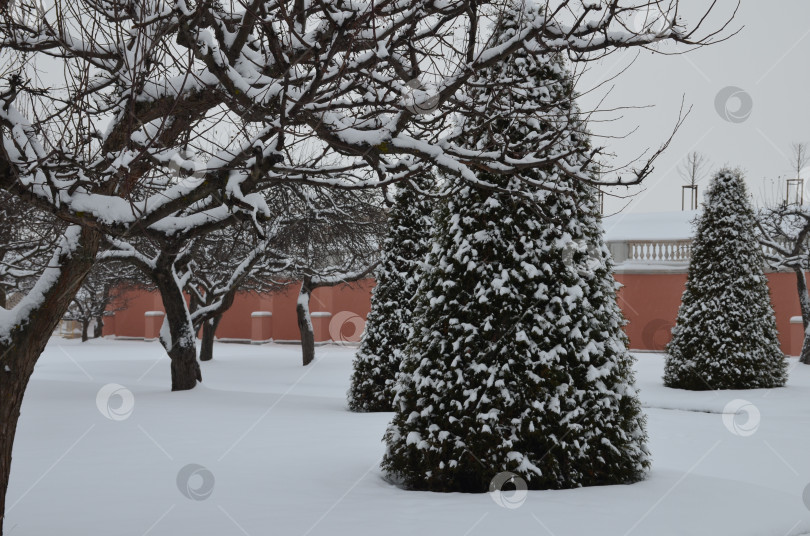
(277, 452)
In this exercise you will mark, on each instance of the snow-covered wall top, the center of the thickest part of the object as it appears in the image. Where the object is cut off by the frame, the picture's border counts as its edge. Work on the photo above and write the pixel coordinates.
(650, 226)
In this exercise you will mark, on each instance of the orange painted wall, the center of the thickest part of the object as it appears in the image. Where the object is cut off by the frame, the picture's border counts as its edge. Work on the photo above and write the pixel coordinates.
(236, 323)
(785, 300)
(650, 303)
(345, 303)
(350, 307)
(354, 298)
(285, 323)
(130, 322)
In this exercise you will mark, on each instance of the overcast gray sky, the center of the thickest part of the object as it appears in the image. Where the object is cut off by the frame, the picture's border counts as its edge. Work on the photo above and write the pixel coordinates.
(769, 60)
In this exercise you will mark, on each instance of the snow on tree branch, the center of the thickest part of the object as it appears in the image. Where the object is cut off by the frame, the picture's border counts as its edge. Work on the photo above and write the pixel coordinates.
(369, 87)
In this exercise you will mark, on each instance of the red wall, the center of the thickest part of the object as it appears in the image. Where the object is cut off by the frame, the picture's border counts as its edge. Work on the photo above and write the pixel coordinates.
(130, 322)
(236, 322)
(785, 299)
(650, 304)
(349, 306)
(649, 301)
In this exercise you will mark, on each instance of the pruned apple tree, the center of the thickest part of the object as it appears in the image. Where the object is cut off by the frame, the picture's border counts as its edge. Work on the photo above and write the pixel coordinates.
(105, 291)
(784, 233)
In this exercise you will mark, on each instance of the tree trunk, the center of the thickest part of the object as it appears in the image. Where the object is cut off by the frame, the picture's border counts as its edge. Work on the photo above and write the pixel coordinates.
(805, 355)
(210, 325)
(2, 297)
(804, 303)
(177, 333)
(98, 329)
(305, 322)
(209, 329)
(13, 388)
(85, 328)
(27, 339)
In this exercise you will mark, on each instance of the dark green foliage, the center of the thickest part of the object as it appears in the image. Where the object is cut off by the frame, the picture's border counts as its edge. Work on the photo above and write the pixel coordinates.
(389, 322)
(518, 361)
(725, 336)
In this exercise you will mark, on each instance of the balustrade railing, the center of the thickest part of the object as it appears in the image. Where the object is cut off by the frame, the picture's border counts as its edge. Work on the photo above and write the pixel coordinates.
(658, 252)
(666, 251)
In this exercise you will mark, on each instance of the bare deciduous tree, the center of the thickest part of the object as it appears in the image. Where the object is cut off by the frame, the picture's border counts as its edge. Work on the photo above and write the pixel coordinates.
(26, 239)
(694, 168)
(333, 239)
(223, 264)
(103, 293)
(785, 235)
(800, 157)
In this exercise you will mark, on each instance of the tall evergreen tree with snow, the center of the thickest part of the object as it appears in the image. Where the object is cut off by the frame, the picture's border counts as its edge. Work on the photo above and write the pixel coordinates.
(389, 322)
(725, 336)
(518, 362)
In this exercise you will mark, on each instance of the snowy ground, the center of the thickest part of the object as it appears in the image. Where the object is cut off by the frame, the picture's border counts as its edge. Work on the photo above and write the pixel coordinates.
(284, 456)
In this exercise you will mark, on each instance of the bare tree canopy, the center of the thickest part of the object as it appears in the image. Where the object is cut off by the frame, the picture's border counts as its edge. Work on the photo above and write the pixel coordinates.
(694, 168)
(105, 291)
(799, 157)
(784, 232)
(239, 88)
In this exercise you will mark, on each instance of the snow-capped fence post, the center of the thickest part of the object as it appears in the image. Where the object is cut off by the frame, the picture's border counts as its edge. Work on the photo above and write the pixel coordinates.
(796, 335)
(620, 251)
(261, 327)
(152, 320)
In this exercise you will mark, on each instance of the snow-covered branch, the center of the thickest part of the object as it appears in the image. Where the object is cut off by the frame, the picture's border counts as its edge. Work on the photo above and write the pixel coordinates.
(358, 81)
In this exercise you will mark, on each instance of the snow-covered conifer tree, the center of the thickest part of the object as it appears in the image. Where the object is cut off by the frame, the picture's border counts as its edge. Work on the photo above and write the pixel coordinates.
(519, 362)
(388, 325)
(725, 336)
